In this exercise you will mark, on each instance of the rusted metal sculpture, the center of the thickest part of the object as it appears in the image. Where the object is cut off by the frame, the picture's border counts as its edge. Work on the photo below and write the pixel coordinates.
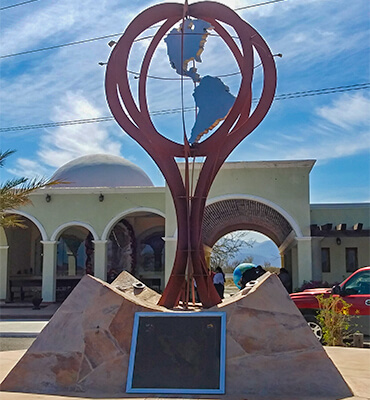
(241, 121)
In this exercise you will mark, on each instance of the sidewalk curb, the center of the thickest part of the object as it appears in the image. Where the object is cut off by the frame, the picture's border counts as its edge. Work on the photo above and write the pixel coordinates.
(21, 318)
(18, 335)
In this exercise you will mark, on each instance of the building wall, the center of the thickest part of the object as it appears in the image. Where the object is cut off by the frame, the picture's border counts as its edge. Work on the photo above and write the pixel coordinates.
(283, 183)
(171, 234)
(341, 213)
(338, 256)
(83, 205)
(349, 214)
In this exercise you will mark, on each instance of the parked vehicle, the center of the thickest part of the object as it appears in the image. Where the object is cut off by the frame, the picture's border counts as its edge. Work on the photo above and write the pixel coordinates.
(355, 290)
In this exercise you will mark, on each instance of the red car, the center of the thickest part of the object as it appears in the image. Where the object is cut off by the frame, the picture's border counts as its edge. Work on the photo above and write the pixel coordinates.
(355, 290)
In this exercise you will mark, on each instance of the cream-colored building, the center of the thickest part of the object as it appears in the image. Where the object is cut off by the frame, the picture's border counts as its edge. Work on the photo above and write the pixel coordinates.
(110, 217)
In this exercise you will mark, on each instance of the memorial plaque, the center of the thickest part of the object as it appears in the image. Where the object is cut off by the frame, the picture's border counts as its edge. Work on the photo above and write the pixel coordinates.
(178, 353)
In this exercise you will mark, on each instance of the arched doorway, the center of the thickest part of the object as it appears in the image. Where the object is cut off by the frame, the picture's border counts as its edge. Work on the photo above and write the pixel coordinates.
(242, 214)
(225, 216)
(24, 269)
(75, 258)
(239, 247)
(245, 246)
(135, 245)
(121, 253)
(150, 258)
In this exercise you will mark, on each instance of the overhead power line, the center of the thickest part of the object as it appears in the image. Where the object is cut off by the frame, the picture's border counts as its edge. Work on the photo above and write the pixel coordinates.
(284, 96)
(18, 4)
(316, 92)
(101, 37)
(60, 45)
(257, 5)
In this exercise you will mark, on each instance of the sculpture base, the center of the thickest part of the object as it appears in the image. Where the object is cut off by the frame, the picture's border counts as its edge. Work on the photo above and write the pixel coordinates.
(85, 348)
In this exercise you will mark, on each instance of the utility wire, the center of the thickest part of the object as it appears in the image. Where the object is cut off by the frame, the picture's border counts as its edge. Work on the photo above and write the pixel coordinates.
(18, 4)
(60, 45)
(316, 92)
(137, 74)
(284, 96)
(100, 37)
(257, 5)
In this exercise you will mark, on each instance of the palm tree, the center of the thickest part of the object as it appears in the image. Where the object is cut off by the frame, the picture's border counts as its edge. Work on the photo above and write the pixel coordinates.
(14, 193)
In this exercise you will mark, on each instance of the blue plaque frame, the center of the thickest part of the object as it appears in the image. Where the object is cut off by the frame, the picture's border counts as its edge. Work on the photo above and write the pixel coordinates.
(177, 390)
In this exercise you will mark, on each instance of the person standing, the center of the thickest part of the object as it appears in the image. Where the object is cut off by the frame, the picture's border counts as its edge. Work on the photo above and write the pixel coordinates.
(286, 279)
(219, 281)
(251, 274)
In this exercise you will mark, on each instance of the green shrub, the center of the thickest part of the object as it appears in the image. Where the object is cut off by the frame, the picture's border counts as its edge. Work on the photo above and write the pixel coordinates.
(333, 317)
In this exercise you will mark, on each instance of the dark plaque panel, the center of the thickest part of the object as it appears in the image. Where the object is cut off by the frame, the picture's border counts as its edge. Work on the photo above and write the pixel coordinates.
(177, 353)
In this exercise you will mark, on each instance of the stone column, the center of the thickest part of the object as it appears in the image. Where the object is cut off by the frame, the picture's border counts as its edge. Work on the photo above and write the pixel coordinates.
(281, 260)
(71, 263)
(49, 266)
(100, 259)
(294, 263)
(304, 259)
(4, 272)
(170, 251)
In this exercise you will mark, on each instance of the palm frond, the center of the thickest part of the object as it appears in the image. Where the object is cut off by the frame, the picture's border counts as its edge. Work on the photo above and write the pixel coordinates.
(13, 196)
(14, 193)
(12, 183)
(11, 221)
(4, 155)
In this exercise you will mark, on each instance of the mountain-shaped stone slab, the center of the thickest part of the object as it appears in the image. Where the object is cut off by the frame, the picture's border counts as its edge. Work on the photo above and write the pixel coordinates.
(84, 350)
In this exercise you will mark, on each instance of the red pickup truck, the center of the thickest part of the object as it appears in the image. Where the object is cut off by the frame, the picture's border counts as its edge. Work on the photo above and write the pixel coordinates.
(355, 290)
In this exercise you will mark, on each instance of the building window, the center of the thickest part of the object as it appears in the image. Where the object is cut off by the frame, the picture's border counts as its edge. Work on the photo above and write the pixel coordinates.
(351, 259)
(325, 259)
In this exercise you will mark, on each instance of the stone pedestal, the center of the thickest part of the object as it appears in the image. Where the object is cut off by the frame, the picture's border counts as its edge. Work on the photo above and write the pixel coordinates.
(271, 353)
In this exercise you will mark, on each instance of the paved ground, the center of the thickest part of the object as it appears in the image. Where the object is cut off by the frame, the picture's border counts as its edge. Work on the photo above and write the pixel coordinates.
(353, 364)
(28, 328)
(25, 311)
(15, 343)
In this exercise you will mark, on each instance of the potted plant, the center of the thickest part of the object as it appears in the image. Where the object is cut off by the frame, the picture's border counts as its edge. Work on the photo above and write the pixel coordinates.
(36, 299)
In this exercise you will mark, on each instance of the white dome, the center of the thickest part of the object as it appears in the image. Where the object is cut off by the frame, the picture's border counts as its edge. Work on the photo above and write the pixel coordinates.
(101, 170)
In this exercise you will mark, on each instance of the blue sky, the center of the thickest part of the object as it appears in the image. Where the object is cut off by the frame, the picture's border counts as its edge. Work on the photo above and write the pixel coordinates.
(324, 44)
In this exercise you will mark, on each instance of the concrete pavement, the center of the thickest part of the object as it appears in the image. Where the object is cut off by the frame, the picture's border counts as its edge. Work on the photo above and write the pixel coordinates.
(13, 329)
(25, 311)
(353, 364)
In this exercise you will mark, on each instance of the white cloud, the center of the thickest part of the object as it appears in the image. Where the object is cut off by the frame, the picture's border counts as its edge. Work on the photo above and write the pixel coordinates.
(65, 143)
(340, 129)
(348, 110)
(28, 168)
(58, 146)
(340, 144)
(35, 26)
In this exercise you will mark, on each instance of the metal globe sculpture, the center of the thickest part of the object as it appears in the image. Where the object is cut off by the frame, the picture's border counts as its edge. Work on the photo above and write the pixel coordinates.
(240, 120)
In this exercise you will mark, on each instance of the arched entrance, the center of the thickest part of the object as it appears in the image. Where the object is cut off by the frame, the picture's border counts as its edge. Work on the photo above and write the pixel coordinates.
(75, 258)
(229, 215)
(121, 252)
(245, 247)
(135, 245)
(150, 260)
(24, 261)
